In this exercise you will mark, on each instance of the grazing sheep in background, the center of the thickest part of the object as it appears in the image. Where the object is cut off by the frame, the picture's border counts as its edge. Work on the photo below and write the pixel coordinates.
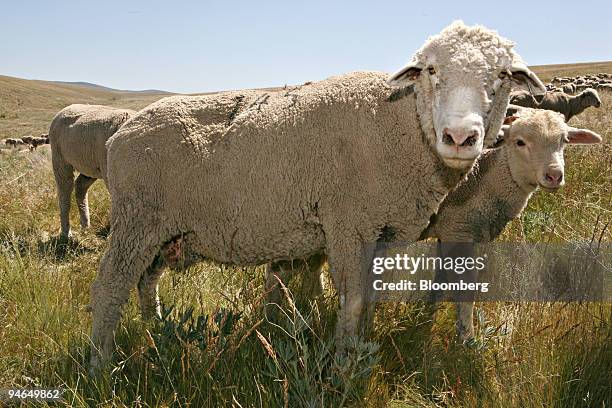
(501, 184)
(78, 135)
(13, 142)
(229, 173)
(569, 105)
(34, 141)
(569, 88)
(523, 98)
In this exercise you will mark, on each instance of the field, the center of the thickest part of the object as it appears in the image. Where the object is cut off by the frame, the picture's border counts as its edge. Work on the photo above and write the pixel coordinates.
(214, 348)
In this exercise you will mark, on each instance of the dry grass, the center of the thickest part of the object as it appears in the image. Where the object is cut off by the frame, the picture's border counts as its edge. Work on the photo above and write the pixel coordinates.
(556, 355)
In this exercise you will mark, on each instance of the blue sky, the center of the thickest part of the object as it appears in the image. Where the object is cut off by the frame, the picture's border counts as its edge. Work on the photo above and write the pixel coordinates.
(197, 46)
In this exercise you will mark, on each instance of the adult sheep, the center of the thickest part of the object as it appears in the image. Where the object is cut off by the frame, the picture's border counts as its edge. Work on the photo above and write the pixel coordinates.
(569, 105)
(249, 178)
(77, 136)
(497, 191)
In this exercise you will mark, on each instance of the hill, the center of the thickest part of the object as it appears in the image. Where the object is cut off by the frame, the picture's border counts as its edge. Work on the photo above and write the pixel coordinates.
(27, 106)
(105, 88)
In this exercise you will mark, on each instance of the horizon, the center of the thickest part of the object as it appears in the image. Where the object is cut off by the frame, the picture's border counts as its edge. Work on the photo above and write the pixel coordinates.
(193, 48)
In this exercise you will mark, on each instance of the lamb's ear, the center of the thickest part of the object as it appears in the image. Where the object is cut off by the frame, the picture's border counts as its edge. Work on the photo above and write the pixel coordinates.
(525, 79)
(406, 76)
(582, 136)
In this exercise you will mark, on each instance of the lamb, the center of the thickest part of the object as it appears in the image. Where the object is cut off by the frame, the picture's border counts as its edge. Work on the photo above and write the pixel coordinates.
(252, 177)
(568, 105)
(77, 135)
(502, 182)
(495, 193)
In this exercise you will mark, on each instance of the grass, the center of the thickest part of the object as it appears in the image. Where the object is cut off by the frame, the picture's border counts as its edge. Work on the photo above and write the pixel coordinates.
(214, 347)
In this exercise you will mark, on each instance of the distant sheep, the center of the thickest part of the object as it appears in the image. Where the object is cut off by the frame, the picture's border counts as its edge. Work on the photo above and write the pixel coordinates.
(13, 142)
(228, 171)
(569, 105)
(523, 98)
(569, 88)
(499, 188)
(77, 136)
(34, 141)
(560, 102)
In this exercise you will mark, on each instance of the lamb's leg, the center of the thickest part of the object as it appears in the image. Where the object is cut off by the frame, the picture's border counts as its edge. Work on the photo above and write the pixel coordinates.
(82, 184)
(275, 271)
(132, 249)
(311, 283)
(64, 179)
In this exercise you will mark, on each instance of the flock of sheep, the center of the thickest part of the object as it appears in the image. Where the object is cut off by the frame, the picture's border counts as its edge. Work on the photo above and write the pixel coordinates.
(601, 80)
(297, 178)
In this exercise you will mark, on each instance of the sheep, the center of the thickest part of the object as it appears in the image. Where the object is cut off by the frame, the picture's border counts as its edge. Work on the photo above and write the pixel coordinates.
(523, 98)
(252, 177)
(34, 141)
(569, 105)
(77, 135)
(497, 191)
(13, 142)
(569, 88)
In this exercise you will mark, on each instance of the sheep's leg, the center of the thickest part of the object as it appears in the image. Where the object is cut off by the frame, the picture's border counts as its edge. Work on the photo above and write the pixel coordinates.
(465, 320)
(131, 251)
(349, 273)
(81, 186)
(64, 178)
(170, 255)
(148, 295)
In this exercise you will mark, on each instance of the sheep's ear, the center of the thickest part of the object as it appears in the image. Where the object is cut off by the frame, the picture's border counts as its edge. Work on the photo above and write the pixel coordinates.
(503, 134)
(525, 79)
(406, 75)
(582, 136)
(509, 119)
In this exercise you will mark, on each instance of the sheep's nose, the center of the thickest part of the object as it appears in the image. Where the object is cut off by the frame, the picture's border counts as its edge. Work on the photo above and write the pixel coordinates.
(554, 177)
(460, 137)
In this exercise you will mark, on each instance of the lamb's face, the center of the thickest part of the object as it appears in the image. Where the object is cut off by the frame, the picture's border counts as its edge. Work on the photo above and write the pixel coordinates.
(462, 78)
(535, 143)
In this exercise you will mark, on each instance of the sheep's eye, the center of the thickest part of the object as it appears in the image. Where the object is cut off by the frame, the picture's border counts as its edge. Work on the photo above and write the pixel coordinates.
(502, 75)
(520, 143)
(431, 70)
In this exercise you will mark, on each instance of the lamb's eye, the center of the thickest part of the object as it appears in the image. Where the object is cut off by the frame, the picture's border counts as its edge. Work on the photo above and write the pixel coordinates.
(431, 70)
(519, 142)
(502, 75)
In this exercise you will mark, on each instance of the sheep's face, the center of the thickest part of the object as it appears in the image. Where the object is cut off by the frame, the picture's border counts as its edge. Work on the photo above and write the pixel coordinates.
(592, 98)
(462, 79)
(535, 143)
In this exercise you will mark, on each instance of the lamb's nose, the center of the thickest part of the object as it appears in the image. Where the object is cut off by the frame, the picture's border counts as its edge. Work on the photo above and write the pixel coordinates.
(554, 177)
(461, 138)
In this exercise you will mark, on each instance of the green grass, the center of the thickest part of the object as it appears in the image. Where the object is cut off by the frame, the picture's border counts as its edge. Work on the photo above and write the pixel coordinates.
(214, 347)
